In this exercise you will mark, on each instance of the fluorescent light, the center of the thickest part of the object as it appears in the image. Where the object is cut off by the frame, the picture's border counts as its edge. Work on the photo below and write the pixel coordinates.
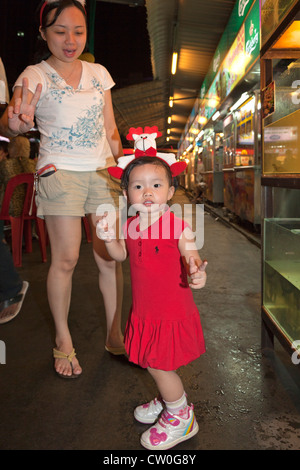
(241, 100)
(171, 101)
(174, 63)
(216, 115)
(169, 120)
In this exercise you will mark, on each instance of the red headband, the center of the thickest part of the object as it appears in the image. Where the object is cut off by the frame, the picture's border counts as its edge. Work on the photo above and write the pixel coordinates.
(47, 3)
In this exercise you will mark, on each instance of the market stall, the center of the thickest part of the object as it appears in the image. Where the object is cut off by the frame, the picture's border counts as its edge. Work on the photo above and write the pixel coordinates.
(280, 81)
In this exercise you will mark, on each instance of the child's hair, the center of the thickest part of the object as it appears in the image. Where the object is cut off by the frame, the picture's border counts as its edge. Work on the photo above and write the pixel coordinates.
(43, 52)
(143, 161)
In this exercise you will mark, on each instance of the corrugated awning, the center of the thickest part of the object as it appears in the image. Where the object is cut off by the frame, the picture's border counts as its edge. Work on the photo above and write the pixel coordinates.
(193, 28)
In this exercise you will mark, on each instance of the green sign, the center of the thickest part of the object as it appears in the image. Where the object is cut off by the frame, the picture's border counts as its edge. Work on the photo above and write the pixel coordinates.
(239, 58)
(237, 17)
(252, 34)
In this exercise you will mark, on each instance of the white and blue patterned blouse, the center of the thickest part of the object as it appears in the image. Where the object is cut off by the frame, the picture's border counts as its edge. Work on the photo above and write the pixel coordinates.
(71, 120)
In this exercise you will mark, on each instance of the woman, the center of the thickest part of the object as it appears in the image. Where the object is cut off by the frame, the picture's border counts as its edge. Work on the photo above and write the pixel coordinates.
(71, 101)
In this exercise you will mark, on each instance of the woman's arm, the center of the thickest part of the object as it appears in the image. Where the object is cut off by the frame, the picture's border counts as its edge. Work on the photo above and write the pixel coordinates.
(194, 265)
(18, 118)
(111, 129)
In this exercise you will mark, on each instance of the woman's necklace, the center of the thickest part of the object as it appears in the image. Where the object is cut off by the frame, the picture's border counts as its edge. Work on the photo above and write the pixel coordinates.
(62, 75)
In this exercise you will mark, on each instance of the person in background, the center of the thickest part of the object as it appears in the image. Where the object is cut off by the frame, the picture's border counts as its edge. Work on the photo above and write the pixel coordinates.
(17, 162)
(71, 102)
(3, 150)
(12, 288)
(163, 331)
(19, 149)
(3, 157)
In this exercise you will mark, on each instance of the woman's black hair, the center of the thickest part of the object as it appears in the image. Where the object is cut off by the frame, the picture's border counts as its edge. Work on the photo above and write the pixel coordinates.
(43, 52)
(143, 161)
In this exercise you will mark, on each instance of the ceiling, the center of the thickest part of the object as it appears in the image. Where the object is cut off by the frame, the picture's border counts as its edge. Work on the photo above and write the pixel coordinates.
(192, 28)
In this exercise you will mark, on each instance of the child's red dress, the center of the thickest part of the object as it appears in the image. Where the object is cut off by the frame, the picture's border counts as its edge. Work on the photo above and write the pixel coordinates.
(163, 329)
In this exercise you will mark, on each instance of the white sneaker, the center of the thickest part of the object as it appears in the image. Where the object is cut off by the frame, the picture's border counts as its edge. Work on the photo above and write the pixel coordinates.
(149, 412)
(170, 430)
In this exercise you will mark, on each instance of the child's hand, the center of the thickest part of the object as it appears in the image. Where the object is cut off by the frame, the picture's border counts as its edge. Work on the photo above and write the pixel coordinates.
(103, 232)
(197, 274)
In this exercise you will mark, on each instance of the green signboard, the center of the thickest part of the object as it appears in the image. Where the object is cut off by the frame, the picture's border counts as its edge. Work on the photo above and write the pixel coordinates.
(239, 58)
(237, 17)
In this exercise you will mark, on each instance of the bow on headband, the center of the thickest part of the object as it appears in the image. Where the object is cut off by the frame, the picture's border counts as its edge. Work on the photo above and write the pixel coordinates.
(145, 146)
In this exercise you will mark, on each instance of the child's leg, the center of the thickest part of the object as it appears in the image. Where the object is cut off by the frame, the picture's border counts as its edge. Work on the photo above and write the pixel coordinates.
(171, 394)
(177, 423)
(171, 389)
(168, 383)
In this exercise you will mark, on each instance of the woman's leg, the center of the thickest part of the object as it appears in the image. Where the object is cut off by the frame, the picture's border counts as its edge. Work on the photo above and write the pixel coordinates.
(65, 238)
(111, 287)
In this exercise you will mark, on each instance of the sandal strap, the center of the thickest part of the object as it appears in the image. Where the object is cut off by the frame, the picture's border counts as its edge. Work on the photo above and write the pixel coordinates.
(61, 355)
(11, 301)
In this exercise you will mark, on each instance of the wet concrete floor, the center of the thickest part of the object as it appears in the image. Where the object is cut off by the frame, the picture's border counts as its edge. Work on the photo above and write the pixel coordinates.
(243, 399)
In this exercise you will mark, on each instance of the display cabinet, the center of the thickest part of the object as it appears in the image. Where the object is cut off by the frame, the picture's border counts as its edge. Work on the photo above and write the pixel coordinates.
(281, 275)
(212, 157)
(280, 93)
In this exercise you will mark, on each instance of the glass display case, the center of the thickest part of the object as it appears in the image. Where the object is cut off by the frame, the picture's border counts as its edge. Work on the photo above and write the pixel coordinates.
(282, 127)
(242, 158)
(245, 134)
(229, 127)
(212, 157)
(229, 142)
(281, 275)
(280, 79)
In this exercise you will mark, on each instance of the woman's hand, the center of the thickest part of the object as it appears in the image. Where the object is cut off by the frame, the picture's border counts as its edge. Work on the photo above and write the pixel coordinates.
(21, 112)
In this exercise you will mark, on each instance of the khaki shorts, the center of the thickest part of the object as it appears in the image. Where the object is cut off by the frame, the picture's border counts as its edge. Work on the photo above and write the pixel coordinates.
(76, 193)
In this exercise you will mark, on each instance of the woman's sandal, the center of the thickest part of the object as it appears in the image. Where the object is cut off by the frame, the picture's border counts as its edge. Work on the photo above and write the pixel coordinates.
(116, 351)
(61, 355)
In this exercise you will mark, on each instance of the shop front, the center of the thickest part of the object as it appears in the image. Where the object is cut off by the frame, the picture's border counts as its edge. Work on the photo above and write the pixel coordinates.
(212, 158)
(242, 158)
(280, 89)
(228, 113)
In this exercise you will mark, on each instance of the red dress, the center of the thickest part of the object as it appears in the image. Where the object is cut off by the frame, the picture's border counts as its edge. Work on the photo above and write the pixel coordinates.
(163, 330)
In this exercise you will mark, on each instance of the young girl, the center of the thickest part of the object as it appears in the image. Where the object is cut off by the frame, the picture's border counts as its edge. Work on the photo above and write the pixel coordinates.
(163, 331)
(71, 101)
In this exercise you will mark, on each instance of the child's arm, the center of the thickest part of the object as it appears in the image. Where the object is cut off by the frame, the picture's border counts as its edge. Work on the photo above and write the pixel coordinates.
(115, 248)
(194, 265)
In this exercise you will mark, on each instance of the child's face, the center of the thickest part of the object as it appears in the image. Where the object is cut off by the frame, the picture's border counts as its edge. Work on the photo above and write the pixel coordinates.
(148, 188)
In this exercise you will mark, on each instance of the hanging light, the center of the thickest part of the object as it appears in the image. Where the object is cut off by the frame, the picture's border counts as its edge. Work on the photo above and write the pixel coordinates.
(174, 63)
